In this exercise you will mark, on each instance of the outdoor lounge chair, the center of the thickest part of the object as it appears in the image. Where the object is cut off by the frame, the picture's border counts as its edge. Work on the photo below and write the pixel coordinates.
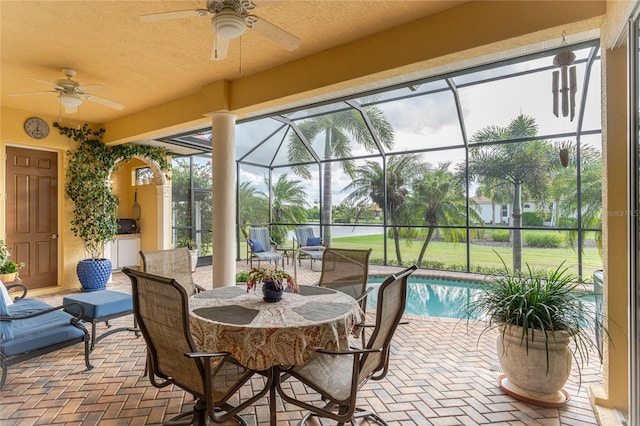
(171, 263)
(30, 328)
(161, 307)
(261, 246)
(338, 375)
(308, 244)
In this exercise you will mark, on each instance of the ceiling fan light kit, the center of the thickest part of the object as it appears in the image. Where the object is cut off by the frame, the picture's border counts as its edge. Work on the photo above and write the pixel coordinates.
(69, 101)
(229, 25)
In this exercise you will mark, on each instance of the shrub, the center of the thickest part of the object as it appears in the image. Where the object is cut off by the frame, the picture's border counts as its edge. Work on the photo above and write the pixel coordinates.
(500, 236)
(532, 219)
(543, 239)
(242, 276)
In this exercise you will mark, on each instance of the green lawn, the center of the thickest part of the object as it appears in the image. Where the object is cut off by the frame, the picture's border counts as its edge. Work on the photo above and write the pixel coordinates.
(484, 258)
(452, 256)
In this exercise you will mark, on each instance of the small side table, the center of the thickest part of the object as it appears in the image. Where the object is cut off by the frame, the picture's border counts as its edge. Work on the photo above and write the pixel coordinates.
(103, 305)
(287, 253)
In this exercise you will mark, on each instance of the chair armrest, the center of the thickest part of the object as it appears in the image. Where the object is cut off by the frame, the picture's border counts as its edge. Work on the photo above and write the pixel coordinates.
(364, 295)
(199, 288)
(349, 352)
(18, 285)
(77, 316)
(206, 354)
(318, 248)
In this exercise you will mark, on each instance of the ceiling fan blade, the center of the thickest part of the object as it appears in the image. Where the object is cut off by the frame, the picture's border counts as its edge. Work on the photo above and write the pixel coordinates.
(276, 34)
(177, 14)
(32, 93)
(91, 88)
(103, 101)
(48, 83)
(220, 48)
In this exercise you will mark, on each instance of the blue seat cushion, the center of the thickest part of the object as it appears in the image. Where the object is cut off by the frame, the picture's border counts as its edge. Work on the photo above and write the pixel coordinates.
(39, 332)
(314, 254)
(316, 241)
(268, 255)
(100, 304)
(256, 246)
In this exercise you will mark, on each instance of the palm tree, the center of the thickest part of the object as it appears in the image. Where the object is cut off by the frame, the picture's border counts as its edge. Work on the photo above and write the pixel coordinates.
(338, 129)
(440, 199)
(522, 164)
(254, 206)
(368, 185)
(288, 205)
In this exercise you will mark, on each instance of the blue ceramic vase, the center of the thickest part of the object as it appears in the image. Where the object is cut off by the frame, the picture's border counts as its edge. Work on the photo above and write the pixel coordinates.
(94, 273)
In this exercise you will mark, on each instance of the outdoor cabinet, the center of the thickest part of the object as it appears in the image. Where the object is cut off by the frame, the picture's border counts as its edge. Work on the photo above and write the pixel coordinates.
(123, 251)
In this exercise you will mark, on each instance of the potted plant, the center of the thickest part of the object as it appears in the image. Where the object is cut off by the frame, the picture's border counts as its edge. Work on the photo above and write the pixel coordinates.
(192, 246)
(272, 283)
(8, 268)
(241, 277)
(538, 316)
(94, 221)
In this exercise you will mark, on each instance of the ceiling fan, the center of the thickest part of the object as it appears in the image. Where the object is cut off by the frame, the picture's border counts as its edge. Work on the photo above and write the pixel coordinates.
(230, 19)
(71, 93)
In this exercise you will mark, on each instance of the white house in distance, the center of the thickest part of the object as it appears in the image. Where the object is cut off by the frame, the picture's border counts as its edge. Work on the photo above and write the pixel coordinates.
(500, 214)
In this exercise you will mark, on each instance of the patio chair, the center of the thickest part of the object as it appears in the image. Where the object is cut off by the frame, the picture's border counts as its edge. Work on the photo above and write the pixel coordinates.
(161, 307)
(347, 270)
(172, 263)
(338, 375)
(308, 245)
(261, 246)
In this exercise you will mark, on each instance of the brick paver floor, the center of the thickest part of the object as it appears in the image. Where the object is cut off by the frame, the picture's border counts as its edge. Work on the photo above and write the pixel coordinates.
(441, 373)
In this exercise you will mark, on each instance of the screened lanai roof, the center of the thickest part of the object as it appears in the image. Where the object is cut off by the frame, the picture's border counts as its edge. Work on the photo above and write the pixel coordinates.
(436, 113)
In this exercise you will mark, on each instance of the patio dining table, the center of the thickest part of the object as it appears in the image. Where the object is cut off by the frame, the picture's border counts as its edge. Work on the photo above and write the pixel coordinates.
(263, 336)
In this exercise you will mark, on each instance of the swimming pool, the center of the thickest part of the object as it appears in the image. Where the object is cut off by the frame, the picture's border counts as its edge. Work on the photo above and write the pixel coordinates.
(434, 297)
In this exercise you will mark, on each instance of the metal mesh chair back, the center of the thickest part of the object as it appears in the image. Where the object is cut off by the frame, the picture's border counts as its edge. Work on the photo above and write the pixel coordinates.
(161, 307)
(172, 263)
(392, 299)
(345, 270)
(261, 235)
(303, 234)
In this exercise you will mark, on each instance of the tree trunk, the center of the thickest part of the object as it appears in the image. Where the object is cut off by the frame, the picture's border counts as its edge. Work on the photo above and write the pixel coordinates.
(516, 214)
(427, 240)
(326, 194)
(396, 240)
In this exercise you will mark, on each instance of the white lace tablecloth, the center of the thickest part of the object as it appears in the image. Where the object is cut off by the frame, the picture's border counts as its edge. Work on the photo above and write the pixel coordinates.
(261, 335)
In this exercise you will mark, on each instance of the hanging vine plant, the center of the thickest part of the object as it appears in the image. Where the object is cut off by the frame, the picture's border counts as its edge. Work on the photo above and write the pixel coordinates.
(89, 167)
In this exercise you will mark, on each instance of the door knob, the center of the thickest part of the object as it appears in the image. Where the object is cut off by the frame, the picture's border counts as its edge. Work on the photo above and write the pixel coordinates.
(54, 236)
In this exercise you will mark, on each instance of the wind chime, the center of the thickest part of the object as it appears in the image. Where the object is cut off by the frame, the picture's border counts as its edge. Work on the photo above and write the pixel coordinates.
(564, 89)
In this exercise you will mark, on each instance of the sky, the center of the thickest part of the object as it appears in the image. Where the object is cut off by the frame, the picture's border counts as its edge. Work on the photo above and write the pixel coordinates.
(432, 120)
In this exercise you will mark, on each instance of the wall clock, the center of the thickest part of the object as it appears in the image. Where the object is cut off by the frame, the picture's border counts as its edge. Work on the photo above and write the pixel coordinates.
(36, 127)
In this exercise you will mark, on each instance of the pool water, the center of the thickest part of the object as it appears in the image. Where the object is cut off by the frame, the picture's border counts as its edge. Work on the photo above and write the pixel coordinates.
(433, 297)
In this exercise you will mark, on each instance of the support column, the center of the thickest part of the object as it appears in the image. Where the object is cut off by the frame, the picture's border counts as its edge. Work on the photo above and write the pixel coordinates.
(224, 202)
(613, 394)
(163, 208)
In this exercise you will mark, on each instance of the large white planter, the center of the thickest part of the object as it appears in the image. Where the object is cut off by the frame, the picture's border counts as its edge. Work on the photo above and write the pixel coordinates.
(194, 258)
(525, 371)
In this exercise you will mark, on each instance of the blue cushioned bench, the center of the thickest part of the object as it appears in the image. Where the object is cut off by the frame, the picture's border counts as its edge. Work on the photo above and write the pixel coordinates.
(31, 327)
(103, 305)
